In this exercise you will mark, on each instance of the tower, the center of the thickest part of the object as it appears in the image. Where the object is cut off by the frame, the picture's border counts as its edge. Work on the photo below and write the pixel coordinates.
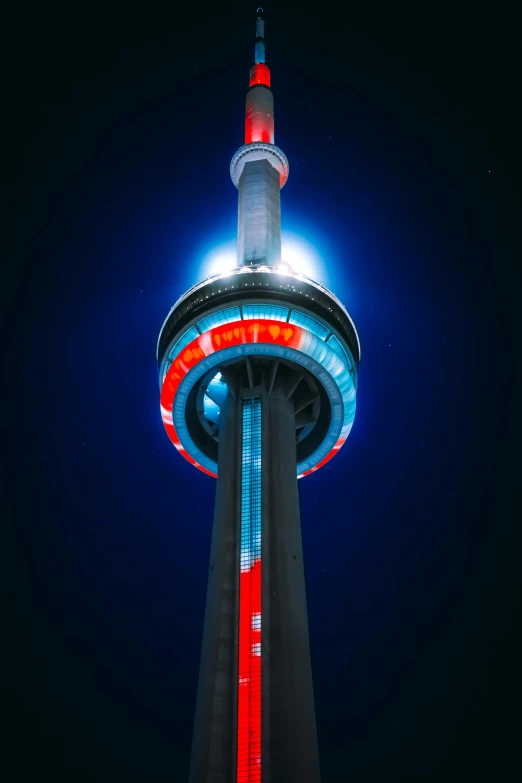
(258, 376)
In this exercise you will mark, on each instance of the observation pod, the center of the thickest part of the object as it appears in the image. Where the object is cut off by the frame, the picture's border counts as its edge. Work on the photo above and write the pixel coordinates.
(259, 329)
(258, 378)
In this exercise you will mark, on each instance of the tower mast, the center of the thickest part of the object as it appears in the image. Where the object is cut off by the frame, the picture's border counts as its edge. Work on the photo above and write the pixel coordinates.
(259, 169)
(258, 374)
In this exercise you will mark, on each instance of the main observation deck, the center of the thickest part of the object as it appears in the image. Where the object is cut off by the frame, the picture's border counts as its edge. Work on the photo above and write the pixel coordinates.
(276, 323)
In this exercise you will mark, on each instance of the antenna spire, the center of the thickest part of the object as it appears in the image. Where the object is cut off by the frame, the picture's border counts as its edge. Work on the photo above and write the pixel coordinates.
(260, 73)
(260, 37)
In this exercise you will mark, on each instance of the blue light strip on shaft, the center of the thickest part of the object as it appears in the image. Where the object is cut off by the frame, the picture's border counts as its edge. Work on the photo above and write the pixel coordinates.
(251, 484)
(249, 653)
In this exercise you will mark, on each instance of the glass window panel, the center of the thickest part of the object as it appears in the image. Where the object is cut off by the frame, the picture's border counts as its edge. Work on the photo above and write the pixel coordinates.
(165, 370)
(183, 341)
(273, 312)
(300, 319)
(219, 318)
(319, 352)
(334, 343)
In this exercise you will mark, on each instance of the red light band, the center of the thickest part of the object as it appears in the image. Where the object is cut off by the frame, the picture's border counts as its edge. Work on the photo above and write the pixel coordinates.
(236, 333)
(260, 74)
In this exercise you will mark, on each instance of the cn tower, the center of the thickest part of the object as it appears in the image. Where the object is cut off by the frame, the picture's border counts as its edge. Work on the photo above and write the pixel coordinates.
(258, 376)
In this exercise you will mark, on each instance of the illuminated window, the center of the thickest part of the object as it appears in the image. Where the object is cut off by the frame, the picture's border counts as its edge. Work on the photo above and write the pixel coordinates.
(317, 349)
(183, 341)
(300, 319)
(165, 370)
(334, 343)
(256, 622)
(217, 319)
(274, 312)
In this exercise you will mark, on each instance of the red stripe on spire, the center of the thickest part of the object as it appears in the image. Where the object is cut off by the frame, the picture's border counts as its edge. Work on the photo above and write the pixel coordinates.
(260, 74)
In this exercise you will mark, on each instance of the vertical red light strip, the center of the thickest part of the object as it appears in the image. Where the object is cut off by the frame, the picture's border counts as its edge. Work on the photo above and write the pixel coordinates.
(249, 678)
(249, 652)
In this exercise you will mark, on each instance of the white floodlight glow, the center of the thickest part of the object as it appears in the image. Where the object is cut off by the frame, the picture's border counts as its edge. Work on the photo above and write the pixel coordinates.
(284, 267)
(297, 256)
(220, 260)
(302, 257)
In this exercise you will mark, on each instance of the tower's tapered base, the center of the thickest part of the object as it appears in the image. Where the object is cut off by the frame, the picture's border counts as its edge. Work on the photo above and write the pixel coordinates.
(255, 719)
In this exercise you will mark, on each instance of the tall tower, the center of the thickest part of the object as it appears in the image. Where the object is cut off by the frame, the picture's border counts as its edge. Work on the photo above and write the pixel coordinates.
(258, 374)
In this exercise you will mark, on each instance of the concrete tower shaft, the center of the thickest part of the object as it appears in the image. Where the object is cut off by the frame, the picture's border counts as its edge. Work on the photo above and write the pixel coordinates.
(259, 221)
(255, 714)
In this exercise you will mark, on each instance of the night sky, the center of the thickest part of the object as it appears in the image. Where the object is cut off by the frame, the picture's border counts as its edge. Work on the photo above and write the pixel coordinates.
(400, 125)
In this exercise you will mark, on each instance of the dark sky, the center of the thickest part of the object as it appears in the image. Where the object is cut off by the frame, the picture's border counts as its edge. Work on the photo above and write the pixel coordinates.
(400, 125)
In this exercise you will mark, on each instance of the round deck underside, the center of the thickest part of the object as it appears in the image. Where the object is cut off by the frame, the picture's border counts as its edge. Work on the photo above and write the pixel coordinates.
(323, 384)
